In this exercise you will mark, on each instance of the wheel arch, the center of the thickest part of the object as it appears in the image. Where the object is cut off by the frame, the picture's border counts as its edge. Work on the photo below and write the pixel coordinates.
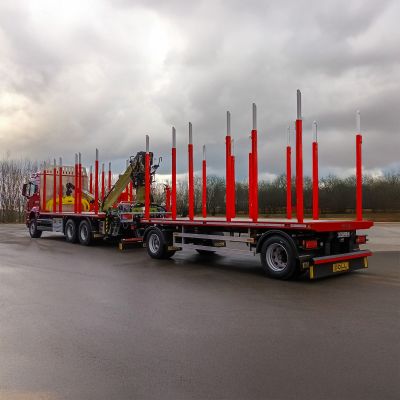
(276, 232)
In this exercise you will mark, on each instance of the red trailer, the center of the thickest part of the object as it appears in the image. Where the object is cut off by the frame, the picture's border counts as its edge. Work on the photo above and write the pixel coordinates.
(287, 247)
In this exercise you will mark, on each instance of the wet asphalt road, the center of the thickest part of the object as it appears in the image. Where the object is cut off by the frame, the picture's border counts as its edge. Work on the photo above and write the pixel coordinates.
(97, 323)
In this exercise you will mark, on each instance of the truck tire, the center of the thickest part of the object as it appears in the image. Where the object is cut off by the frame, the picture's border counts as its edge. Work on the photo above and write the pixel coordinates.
(156, 246)
(278, 258)
(70, 231)
(85, 235)
(33, 230)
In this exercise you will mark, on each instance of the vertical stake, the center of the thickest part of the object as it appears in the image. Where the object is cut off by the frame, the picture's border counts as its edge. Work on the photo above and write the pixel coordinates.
(288, 178)
(315, 204)
(96, 183)
(204, 181)
(55, 186)
(44, 186)
(91, 180)
(76, 185)
(254, 152)
(299, 162)
(359, 216)
(60, 186)
(102, 182)
(147, 180)
(173, 189)
(228, 150)
(233, 181)
(191, 178)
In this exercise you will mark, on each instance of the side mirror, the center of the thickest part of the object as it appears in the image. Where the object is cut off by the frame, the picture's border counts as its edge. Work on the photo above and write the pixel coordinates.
(24, 186)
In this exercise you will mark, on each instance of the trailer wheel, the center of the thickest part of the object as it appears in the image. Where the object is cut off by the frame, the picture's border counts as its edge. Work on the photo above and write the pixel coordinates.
(85, 233)
(70, 231)
(33, 230)
(278, 258)
(156, 246)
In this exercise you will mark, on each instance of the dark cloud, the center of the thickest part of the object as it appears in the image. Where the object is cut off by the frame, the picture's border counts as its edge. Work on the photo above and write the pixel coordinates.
(105, 73)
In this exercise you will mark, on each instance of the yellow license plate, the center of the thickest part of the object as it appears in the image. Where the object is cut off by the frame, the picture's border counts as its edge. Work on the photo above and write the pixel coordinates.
(340, 267)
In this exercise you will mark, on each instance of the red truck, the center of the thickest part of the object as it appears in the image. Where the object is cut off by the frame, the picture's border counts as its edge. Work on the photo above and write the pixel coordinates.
(60, 199)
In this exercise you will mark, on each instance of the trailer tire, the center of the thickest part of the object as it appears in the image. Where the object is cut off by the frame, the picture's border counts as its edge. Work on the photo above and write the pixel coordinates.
(278, 258)
(156, 246)
(33, 230)
(85, 235)
(70, 231)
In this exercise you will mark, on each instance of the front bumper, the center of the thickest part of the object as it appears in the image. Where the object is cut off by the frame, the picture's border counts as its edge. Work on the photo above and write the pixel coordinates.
(338, 264)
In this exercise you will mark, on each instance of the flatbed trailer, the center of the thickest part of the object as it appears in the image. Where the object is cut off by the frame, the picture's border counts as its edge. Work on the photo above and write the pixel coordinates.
(317, 247)
(287, 246)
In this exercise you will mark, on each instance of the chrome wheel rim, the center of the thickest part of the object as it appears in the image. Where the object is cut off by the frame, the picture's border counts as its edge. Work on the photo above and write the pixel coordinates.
(277, 257)
(154, 243)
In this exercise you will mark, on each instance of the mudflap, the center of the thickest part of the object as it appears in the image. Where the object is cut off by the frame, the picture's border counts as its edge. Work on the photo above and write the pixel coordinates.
(338, 264)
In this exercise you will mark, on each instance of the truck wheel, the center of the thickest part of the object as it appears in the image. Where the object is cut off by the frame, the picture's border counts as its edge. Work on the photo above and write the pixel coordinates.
(85, 233)
(70, 231)
(33, 230)
(278, 258)
(156, 246)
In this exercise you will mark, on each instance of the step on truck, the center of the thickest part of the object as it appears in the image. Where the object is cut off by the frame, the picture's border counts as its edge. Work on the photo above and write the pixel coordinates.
(60, 199)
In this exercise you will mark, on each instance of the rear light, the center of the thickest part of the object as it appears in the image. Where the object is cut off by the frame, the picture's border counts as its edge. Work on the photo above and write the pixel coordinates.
(126, 217)
(362, 239)
(310, 244)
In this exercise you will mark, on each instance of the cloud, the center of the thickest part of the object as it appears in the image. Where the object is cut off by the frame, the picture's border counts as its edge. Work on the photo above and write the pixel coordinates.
(80, 75)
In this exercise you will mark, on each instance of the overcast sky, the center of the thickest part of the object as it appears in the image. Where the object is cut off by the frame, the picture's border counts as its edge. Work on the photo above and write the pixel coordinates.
(77, 74)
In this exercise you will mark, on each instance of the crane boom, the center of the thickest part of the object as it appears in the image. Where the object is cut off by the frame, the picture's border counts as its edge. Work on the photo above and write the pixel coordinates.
(135, 171)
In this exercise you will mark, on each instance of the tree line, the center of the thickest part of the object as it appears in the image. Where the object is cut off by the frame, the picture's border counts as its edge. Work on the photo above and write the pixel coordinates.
(336, 195)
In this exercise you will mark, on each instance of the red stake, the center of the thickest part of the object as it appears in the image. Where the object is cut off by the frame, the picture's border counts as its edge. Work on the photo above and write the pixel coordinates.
(44, 187)
(76, 184)
(54, 187)
(60, 186)
(299, 162)
(102, 182)
(359, 170)
(96, 183)
(228, 150)
(233, 183)
(147, 181)
(173, 191)
(254, 164)
(109, 177)
(191, 178)
(79, 183)
(250, 186)
(315, 210)
(204, 181)
(288, 182)
(91, 180)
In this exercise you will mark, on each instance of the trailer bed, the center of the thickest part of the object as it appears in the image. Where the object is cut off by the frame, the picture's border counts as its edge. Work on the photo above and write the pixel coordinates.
(324, 225)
